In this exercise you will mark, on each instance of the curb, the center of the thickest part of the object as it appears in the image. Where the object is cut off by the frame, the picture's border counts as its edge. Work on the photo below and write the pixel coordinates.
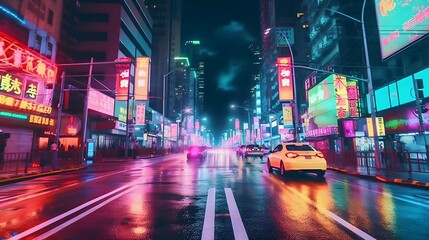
(36, 175)
(398, 181)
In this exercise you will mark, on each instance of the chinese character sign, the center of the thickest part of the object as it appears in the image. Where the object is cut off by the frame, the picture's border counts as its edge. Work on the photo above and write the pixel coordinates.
(141, 85)
(237, 124)
(17, 55)
(140, 114)
(122, 79)
(284, 72)
(287, 114)
(342, 102)
(353, 95)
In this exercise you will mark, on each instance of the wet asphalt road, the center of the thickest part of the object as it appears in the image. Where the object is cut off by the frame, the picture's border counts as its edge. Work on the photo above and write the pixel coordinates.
(221, 197)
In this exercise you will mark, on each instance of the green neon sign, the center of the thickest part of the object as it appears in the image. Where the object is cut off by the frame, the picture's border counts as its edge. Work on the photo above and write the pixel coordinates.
(13, 115)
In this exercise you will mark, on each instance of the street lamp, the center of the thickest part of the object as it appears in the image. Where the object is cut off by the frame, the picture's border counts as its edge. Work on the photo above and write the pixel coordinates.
(248, 115)
(370, 87)
(163, 104)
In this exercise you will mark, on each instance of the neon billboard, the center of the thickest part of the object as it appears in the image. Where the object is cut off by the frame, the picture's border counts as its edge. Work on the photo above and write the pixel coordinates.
(16, 55)
(284, 72)
(333, 98)
(141, 85)
(400, 23)
(122, 79)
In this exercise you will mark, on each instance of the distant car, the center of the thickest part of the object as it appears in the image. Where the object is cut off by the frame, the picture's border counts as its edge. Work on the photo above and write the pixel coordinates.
(265, 150)
(300, 157)
(196, 152)
(253, 150)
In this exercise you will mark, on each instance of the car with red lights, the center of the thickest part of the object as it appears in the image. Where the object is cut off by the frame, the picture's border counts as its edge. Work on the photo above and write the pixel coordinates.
(196, 152)
(253, 150)
(296, 157)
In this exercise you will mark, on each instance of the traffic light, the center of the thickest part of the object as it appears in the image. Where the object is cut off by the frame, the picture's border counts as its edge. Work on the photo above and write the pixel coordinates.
(420, 95)
(419, 83)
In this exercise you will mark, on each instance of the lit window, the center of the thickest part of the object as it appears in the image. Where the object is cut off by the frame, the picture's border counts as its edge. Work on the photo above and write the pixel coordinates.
(300, 14)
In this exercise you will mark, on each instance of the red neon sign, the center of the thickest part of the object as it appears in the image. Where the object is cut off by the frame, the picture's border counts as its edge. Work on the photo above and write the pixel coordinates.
(122, 79)
(284, 72)
(16, 55)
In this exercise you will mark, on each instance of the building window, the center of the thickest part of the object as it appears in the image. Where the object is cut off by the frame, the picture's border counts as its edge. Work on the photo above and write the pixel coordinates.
(93, 36)
(50, 17)
(50, 46)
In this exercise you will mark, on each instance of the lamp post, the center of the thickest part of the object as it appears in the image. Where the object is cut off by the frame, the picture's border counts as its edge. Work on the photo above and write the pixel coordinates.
(163, 104)
(294, 89)
(370, 87)
(248, 116)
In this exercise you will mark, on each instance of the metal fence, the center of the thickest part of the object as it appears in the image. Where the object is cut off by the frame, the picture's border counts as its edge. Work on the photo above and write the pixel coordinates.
(390, 161)
(38, 161)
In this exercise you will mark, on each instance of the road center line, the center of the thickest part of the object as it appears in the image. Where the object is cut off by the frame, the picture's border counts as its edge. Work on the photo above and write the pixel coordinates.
(82, 215)
(66, 214)
(332, 215)
(209, 218)
(237, 223)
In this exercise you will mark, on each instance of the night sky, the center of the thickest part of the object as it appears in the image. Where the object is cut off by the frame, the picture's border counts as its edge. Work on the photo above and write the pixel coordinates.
(225, 28)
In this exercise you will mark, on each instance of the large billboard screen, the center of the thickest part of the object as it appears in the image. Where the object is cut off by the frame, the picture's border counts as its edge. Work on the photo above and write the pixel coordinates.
(336, 97)
(400, 23)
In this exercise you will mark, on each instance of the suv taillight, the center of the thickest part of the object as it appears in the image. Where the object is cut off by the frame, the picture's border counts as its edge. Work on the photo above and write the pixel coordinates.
(291, 155)
(319, 155)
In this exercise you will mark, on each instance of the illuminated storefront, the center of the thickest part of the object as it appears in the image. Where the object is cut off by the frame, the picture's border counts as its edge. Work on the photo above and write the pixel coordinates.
(26, 113)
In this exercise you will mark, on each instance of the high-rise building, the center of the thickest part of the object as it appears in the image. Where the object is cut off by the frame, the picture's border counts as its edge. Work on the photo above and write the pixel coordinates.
(104, 31)
(192, 51)
(166, 44)
(255, 91)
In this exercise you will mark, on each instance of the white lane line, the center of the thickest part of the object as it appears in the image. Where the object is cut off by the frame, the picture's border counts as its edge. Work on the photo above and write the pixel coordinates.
(82, 215)
(332, 215)
(27, 196)
(66, 214)
(237, 223)
(412, 199)
(209, 218)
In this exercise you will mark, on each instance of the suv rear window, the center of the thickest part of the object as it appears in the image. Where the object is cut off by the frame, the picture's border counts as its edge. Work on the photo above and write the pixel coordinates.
(253, 146)
(299, 148)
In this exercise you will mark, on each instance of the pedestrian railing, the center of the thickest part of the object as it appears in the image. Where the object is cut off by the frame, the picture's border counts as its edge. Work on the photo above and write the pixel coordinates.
(38, 161)
(389, 161)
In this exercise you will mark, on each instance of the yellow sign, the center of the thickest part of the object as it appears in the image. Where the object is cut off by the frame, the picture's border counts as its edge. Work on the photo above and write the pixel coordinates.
(287, 115)
(379, 124)
(41, 120)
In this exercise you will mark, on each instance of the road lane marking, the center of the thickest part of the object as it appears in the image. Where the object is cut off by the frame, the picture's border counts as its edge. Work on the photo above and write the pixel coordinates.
(66, 214)
(27, 196)
(209, 218)
(237, 223)
(82, 215)
(332, 215)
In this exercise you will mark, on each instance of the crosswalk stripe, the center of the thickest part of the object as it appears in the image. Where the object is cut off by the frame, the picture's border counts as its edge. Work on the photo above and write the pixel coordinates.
(237, 223)
(209, 218)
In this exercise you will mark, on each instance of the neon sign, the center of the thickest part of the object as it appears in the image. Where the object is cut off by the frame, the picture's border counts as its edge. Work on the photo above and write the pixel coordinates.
(284, 72)
(24, 105)
(142, 79)
(17, 55)
(401, 24)
(35, 119)
(122, 79)
(15, 86)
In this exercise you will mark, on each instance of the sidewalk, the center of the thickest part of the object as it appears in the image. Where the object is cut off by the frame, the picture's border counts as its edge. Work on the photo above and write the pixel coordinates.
(413, 179)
